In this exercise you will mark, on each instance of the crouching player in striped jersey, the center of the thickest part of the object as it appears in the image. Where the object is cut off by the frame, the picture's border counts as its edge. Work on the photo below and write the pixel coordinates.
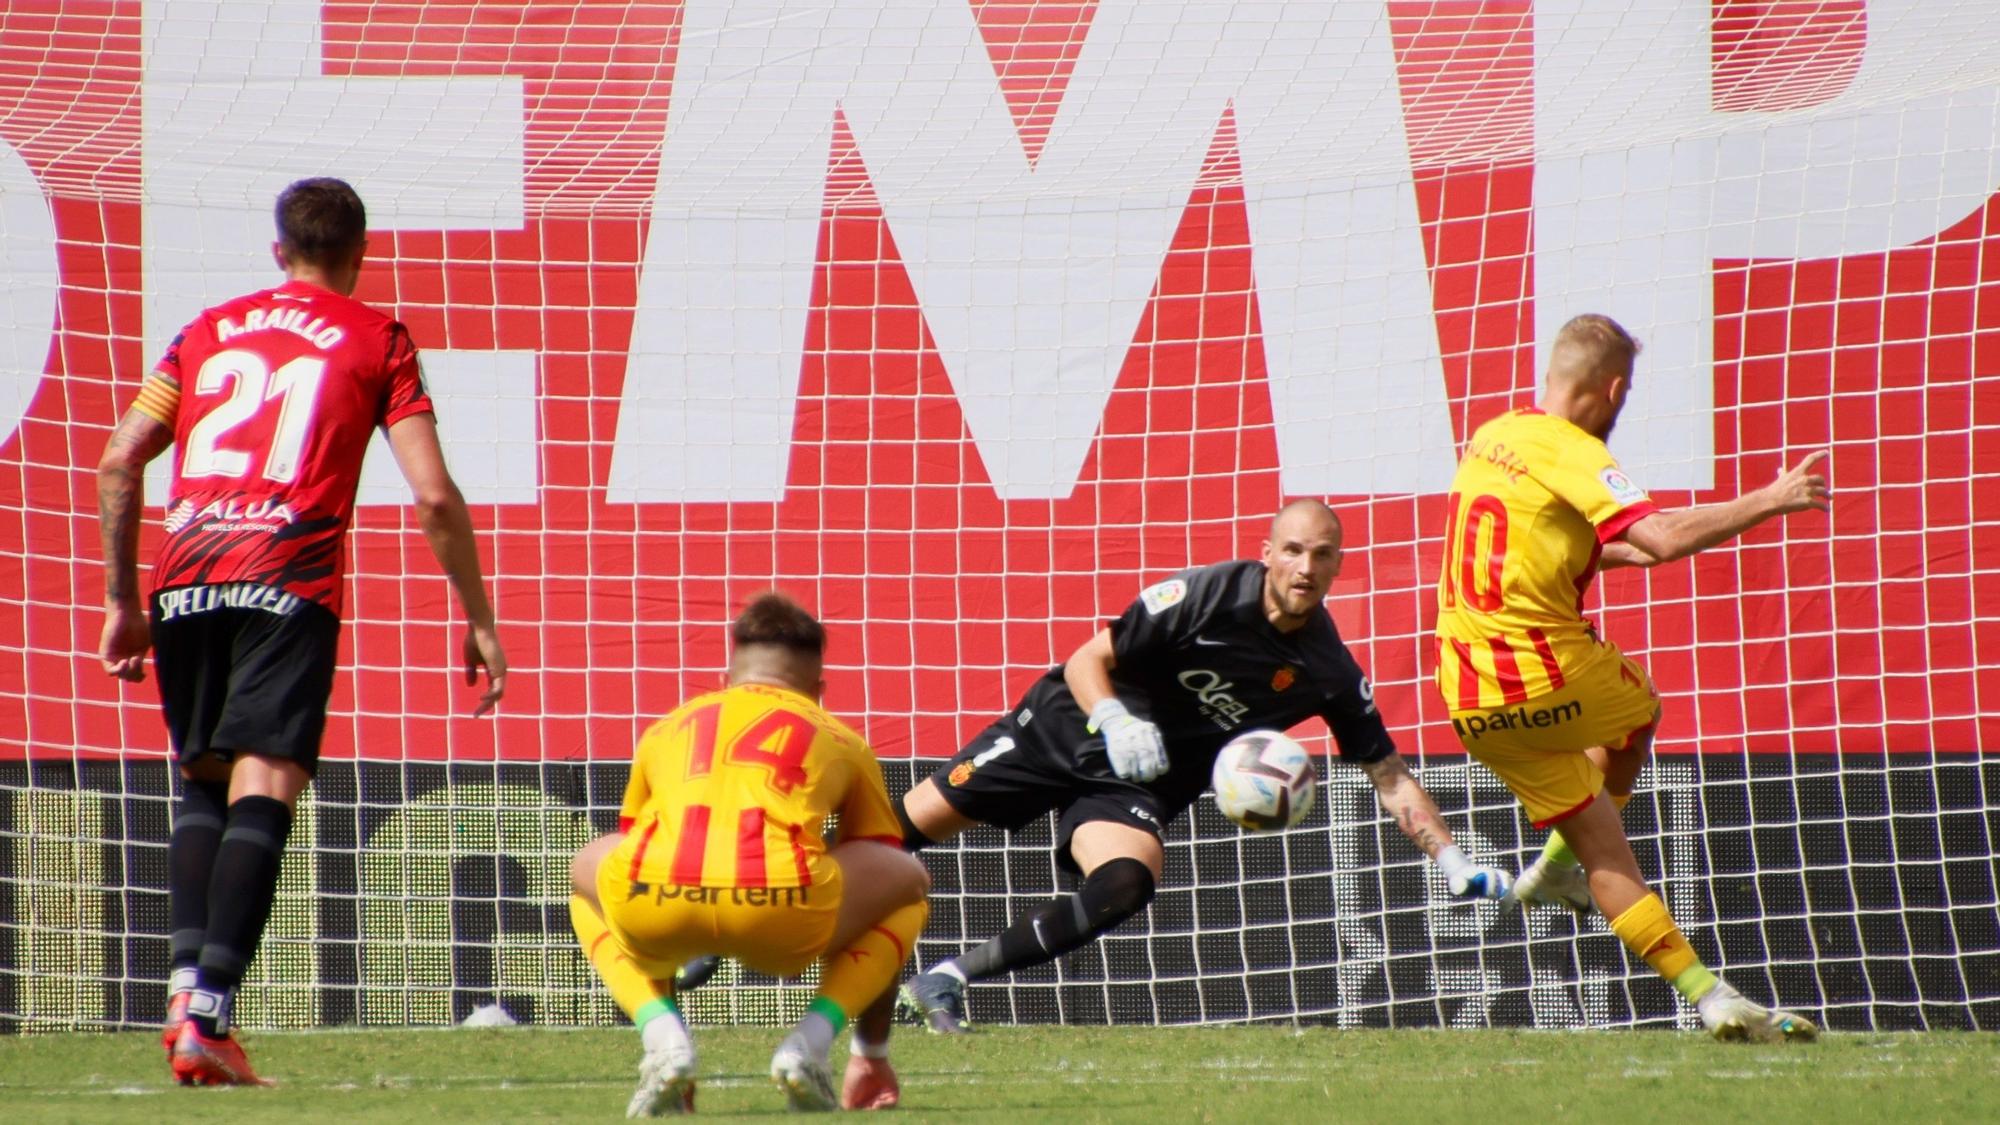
(721, 851)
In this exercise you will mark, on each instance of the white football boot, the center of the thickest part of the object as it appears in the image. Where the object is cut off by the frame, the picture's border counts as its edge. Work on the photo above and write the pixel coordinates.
(1545, 883)
(807, 1081)
(1734, 1018)
(666, 1078)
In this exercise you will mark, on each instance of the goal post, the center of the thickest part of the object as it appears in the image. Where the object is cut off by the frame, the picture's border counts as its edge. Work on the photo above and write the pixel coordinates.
(964, 320)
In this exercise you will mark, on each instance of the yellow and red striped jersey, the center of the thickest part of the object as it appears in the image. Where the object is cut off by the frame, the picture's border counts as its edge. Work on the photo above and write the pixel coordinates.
(733, 788)
(1534, 501)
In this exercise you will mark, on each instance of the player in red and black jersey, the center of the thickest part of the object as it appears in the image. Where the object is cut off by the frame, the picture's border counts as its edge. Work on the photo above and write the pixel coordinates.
(1119, 740)
(270, 400)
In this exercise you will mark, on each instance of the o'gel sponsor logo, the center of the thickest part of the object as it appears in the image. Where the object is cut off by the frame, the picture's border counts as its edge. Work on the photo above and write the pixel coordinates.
(1216, 703)
(1520, 718)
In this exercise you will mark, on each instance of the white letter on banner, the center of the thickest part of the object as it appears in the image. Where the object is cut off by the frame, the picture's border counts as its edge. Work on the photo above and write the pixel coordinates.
(235, 109)
(1623, 179)
(28, 300)
(1640, 187)
(1904, 152)
(1031, 279)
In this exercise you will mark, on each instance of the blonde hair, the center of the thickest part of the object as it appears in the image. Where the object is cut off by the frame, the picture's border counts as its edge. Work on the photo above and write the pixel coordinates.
(1593, 343)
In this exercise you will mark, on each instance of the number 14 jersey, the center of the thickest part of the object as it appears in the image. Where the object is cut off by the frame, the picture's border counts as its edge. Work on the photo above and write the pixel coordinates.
(1534, 501)
(733, 789)
(279, 391)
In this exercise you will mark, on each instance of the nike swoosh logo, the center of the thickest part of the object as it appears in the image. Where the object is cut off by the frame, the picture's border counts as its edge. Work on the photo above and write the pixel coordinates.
(1205, 641)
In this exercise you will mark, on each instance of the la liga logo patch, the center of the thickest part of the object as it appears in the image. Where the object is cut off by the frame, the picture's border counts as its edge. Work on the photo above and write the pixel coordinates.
(1283, 678)
(1163, 596)
(1620, 486)
(960, 772)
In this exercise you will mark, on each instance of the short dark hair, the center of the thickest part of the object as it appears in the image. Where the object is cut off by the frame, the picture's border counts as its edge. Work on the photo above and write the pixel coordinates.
(321, 220)
(776, 620)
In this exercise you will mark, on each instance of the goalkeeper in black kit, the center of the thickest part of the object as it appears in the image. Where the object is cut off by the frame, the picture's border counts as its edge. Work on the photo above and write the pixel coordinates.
(1121, 738)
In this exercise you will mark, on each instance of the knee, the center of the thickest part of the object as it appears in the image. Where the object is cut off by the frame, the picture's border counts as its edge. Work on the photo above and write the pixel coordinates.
(914, 879)
(1116, 890)
(583, 869)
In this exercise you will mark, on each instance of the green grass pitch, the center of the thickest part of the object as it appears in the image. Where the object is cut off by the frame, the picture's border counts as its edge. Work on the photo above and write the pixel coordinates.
(1046, 1074)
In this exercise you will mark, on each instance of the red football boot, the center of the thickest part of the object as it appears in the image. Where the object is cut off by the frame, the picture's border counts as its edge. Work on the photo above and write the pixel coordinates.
(201, 1061)
(177, 1014)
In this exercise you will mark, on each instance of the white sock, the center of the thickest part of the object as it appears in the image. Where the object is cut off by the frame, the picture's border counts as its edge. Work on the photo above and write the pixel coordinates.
(950, 968)
(665, 1031)
(815, 1034)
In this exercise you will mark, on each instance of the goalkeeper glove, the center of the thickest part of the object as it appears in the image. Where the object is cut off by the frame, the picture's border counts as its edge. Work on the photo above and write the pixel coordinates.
(1471, 880)
(1132, 743)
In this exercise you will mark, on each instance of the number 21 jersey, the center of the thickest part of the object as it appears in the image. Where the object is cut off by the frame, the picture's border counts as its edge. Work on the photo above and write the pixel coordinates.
(279, 392)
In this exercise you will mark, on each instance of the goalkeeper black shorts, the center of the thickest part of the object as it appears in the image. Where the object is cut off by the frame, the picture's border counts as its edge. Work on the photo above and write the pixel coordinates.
(1009, 779)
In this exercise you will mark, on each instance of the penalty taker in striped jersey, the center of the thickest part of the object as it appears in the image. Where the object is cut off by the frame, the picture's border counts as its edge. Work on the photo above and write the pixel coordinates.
(1539, 505)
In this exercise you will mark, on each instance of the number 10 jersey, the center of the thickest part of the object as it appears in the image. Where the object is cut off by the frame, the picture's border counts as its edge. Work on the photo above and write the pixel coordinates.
(1534, 501)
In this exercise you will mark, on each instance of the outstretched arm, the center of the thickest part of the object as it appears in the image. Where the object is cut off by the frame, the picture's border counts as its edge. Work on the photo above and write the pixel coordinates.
(121, 495)
(1667, 536)
(448, 527)
(1417, 815)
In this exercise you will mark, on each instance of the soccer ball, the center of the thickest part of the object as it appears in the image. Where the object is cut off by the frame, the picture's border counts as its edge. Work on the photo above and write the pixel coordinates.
(1263, 781)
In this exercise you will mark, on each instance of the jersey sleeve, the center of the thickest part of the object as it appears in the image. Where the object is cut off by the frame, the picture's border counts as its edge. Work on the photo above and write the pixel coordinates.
(865, 811)
(1168, 613)
(1359, 733)
(1587, 477)
(170, 363)
(405, 393)
(637, 792)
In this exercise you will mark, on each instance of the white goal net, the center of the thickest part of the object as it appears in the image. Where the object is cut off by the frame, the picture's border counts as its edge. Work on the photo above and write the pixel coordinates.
(962, 320)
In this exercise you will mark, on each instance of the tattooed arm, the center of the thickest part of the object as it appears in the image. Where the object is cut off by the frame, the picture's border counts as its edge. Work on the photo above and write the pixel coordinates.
(1406, 802)
(121, 494)
(1417, 815)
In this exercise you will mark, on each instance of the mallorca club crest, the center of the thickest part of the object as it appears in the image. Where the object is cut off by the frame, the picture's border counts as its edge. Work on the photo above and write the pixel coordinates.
(960, 772)
(1283, 678)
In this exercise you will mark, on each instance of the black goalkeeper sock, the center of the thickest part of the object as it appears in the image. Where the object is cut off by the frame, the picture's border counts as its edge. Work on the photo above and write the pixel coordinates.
(197, 835)
(1114, 892)
(240, 896)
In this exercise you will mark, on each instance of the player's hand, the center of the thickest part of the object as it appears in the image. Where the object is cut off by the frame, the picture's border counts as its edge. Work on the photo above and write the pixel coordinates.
(1480, 882)
(1471, 880)
(127, 637)
(870, 1084)
(1799, 487)
(1134, 745)
(482, 650)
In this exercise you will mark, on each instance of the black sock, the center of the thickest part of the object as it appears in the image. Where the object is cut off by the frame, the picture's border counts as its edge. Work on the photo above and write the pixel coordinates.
(240, 895)
(1114, 892)
(198, 825)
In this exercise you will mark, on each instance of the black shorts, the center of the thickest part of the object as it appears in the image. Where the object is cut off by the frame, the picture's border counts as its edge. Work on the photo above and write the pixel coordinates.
(243, 678)
(1007, 780)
